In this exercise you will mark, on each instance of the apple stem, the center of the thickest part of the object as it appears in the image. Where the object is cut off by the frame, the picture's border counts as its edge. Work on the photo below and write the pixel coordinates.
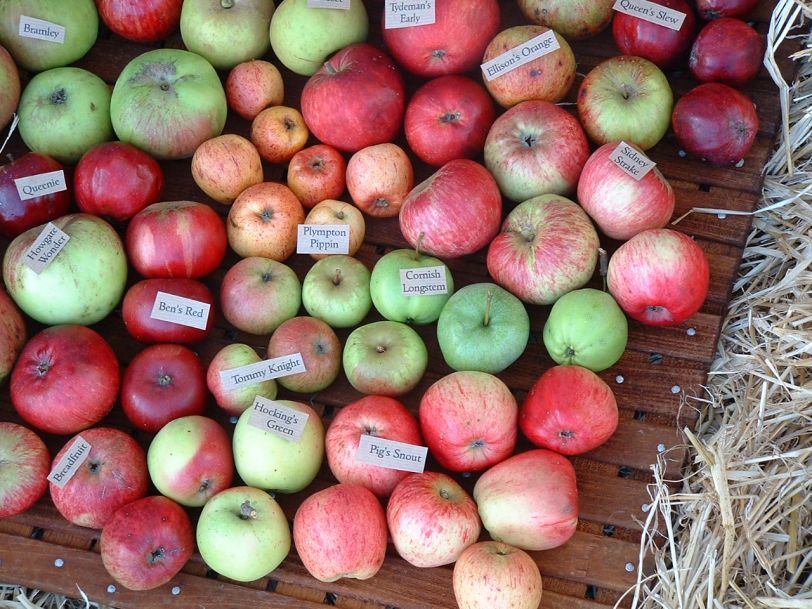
(603, 257)
(227, 3)
(337, 277)
(418, 244)
(247, 511)
(488, 302)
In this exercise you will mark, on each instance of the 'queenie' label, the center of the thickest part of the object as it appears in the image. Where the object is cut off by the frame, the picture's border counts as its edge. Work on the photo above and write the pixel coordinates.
(45, 248)
(631, 160)
(342, 4)
(424, 281)
(408, 13)
(651, 12)
(265, 370)
(520, 55)
(180, 310)
(323, 239)
(391, 454)
(68, 465)
(278, 419)
(41, 184)
(31, 27)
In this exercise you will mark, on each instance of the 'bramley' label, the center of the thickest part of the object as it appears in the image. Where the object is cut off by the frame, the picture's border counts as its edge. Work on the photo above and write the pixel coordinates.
(323, 239)
(342, 4)
(69, 464)
(632, 161)
(278, 419)
(31, 27)
(520, 55)
(40, 185)
(402, 13)
(649, 11)
(423, 281)
(180, 310)
(45, 248)
(262, 371)
(391, 454)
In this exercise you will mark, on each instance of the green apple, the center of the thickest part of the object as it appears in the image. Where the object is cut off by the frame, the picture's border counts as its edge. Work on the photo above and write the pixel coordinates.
(242, 533)
(410, 296)
(64, 112)
(336, 291)
(303, 37)
(483, 327)
(586, 327)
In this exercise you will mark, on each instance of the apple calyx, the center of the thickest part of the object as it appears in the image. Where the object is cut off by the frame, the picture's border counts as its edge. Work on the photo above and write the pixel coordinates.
(657, 313)
(627, 91)
(226, 4)
(247, 511)
(528, 139)
(381, 203)
(486, 320)
(44, 366)
(451, 117)
(164, 379)
(59, 96)
(157, 555)
(566, 434)
(439, 53)
(266, 215)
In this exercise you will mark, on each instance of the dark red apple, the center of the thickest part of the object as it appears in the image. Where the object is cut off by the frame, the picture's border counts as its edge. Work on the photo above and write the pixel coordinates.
(713, 9)
(658, 43)
(726, 50)
(141, 20)
(317, 173)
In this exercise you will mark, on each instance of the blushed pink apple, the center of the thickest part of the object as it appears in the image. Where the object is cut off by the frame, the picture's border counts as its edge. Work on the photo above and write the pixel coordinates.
(320, 349)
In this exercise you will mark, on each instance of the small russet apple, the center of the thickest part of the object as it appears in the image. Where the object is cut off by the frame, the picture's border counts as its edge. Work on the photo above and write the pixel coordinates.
(225, 165)
(336, 290)
(319, 346)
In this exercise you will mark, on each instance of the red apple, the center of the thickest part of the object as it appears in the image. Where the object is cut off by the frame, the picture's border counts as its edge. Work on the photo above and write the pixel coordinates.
(13, 334)
(24, 467)
(142, 21)
(225, 165)
(658, 43)
(279, 132)
(235, 401)
(726, 50)
(320, 349)
(317, 173)
(573, 19)
(10, 80)
(713, 9)
(252, 86)
(379, 178)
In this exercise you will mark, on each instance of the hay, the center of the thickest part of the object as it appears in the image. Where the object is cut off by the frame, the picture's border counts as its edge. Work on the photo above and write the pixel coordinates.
(18, 597)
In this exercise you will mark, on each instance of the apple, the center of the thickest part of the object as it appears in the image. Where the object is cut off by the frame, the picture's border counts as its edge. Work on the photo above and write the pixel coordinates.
(279, 132)
(64, 112)
(659, 277)
(10, 83)
(302, 38)
(431, 519)
(162, 383)
(379, 177)
(335, 212)
(529, 500)
(317, 173)
(336, 290)
(113, 475)
(189, 460)
(320, 349)
(242, 533)
(726, 50)
(356, 99)
(66, 379)
(536, 148)
(211, 27)
(494, 574)
(167, 102)
(625, 98)
(482, 327)
(252, 86)
(453, 44)
(623, 205)
(340, 532)
(13, 334)
(117, 180)
(376, 416)
(573, 19)
(258, 294)
(658, 43)
(225, 165)
(84, 281)
(147, 542)
(454, 212)
(546, 248)
(24, 467)
(448, 118)
(235, 401)
(142, 21)
(384, 358)
(713, 9)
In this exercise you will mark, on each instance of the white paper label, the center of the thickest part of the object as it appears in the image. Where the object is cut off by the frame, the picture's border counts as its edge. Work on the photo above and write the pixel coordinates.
(520, 55)
(632, 161)
(180, 310)
(68, 465)
(323, 239)
(278, 419)
(408, 13)
(31, 27)
(45, 248)
(424, 281)
(40, 184)
(262, 371)
(391, 454)
(342, 4)
(649, 11)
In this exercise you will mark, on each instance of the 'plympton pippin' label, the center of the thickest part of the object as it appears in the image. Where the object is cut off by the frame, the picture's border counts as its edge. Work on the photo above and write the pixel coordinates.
(408, 13)
(179, 310)
(391, 454)
(323, 239)
(278, 419)
(68, 465)
(40, 185)
(31, 27)
(423, 281)
(520, 55)
(342, 4)
(632, 161)
(45, 248)
(262, 371)
(649, 11)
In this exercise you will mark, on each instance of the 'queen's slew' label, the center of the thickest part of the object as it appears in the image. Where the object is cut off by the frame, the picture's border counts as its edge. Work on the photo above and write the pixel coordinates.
(651, 12)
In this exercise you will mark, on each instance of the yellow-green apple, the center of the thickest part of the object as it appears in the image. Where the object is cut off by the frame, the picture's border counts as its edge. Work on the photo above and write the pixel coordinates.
(320, 349)
(143, 21)
(662, 40)
(431, 519)
(377, 416)
(340, 532)
(529, 500)
(726, 50)
(317, 173)
(659, 277)
(335, 212)
(336, 290)
(10, 83)
(242, 533)
(573, 19)
(546, 248)
(41, 194)
(536, 148)
(468, 420)
(279, 132)
(225, 165)
(13, 334)
(586, 327)
(379, 177)
(24, 466)
(714, 9)
(252, 86)
(454, 212)
(235, 401)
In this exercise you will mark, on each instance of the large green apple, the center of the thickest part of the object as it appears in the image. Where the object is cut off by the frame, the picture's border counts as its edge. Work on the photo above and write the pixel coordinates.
(336, 291)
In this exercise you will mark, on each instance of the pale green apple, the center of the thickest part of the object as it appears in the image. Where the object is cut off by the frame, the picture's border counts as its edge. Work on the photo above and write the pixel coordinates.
(336, 291)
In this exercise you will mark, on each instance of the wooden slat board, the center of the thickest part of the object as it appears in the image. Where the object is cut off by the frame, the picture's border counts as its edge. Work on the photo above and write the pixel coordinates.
(660, 367)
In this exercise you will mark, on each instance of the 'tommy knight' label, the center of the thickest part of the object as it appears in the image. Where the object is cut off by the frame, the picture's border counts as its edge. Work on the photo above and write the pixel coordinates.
(423, 281)
(41, 184)
(180, 310)
(342, 4)
(632, 161)
(262, 371)
(649, 11)
(45, 248)
(391, 454)
(323, 239)
(277, 419)
(408, 13)
(520, 55)
(31, 27)
(68, 465)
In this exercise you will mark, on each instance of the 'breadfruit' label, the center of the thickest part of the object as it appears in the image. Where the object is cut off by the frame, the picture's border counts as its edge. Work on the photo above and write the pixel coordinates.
(651, 12)
(31, 27)
(391, 454)
(632, 161)
(45, 248)
(406, 13)
(68, 465)
(262, 371)
(424, 281)
(323, 239)
(41, 184)
(520, 55)
(278, 419)
(180, 310)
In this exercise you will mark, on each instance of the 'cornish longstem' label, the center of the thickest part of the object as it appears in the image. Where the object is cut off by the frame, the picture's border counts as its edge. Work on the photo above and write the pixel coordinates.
(45, 248)
(265, 370)
(632, 161)
(323, 239)
(179, 310)
(649, 11)
(68, 465)
(41, 184)
(520, 55)
(408, 13)
(424, 281)
(391, 454)
(342, 4)
(31, 27)
(278, 419)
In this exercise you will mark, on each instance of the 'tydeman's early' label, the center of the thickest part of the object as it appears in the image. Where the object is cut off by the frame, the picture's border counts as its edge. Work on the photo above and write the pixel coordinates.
(408, 13)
